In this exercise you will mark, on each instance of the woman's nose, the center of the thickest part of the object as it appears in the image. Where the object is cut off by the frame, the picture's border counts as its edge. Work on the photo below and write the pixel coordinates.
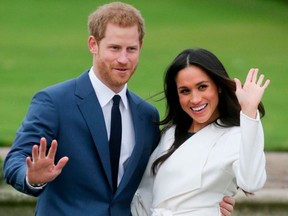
(195, 98)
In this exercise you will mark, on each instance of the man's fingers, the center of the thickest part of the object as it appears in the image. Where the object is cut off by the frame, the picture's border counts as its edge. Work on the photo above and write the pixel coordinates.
(224, 212)
(42, 148)
(226, 206)
(28, 162)
(61, 163)
(52, 151)
(35, 153)
(229, 200)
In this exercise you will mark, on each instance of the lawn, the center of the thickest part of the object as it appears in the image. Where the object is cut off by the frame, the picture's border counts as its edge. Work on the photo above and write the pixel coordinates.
(45, 42)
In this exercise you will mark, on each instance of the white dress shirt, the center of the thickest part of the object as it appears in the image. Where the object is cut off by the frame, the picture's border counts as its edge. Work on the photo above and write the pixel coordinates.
(105, 95)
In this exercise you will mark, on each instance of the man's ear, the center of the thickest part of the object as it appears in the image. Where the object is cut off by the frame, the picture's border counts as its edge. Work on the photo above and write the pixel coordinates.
(92, 44)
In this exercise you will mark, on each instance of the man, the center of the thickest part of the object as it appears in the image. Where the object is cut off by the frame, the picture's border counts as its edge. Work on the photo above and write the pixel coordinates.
(74, 118)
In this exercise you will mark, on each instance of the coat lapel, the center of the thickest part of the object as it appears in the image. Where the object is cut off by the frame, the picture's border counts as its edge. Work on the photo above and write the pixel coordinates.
(138, 148)
(182, 171)
(93, 115)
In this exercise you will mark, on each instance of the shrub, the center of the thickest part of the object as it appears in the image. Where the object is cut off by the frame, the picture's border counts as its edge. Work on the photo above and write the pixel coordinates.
(1, 171)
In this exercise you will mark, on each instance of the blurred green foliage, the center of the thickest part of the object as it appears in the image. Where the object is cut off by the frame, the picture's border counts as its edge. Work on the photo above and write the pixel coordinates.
(45, 42)
(1, 170)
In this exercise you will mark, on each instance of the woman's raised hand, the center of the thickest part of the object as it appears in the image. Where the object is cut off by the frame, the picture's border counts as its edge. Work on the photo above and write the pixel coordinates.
(250, 94)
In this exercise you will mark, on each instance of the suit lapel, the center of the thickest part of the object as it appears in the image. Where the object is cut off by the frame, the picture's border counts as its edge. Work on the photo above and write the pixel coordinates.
(138, 148)
(93, 115)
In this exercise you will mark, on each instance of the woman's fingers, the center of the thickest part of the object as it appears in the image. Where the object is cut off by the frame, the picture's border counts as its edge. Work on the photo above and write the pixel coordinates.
(266, 84)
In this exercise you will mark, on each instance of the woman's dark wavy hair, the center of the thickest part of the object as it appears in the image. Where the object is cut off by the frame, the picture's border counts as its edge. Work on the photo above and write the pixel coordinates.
(228, 106)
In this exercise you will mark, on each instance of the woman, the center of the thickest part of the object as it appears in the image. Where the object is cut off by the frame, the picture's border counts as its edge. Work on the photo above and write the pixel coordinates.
(212, 141)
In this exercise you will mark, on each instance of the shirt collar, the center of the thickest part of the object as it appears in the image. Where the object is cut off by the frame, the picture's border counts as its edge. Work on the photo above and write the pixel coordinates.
(105, 94)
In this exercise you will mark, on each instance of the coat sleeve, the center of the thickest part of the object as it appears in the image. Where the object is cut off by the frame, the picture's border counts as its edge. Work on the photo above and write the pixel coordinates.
(40, 121)
(250, 168)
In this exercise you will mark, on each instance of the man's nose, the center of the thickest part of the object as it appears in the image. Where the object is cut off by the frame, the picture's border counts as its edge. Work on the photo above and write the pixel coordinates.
(122, 58)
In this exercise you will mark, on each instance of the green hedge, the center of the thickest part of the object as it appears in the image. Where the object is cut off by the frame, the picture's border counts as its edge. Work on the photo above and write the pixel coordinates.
(45, 42)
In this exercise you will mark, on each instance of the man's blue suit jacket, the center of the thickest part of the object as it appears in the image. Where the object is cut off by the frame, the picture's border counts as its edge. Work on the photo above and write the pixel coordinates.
(70, 113)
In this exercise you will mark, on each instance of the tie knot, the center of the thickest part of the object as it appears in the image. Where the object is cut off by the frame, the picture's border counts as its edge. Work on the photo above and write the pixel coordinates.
(116, 100)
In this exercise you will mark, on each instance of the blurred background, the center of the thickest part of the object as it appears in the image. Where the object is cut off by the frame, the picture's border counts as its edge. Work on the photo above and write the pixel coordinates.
(45, 42)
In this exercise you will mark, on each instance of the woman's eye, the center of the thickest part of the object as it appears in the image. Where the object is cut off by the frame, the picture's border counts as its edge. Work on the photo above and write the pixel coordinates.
(184, 91)
(202, 87)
